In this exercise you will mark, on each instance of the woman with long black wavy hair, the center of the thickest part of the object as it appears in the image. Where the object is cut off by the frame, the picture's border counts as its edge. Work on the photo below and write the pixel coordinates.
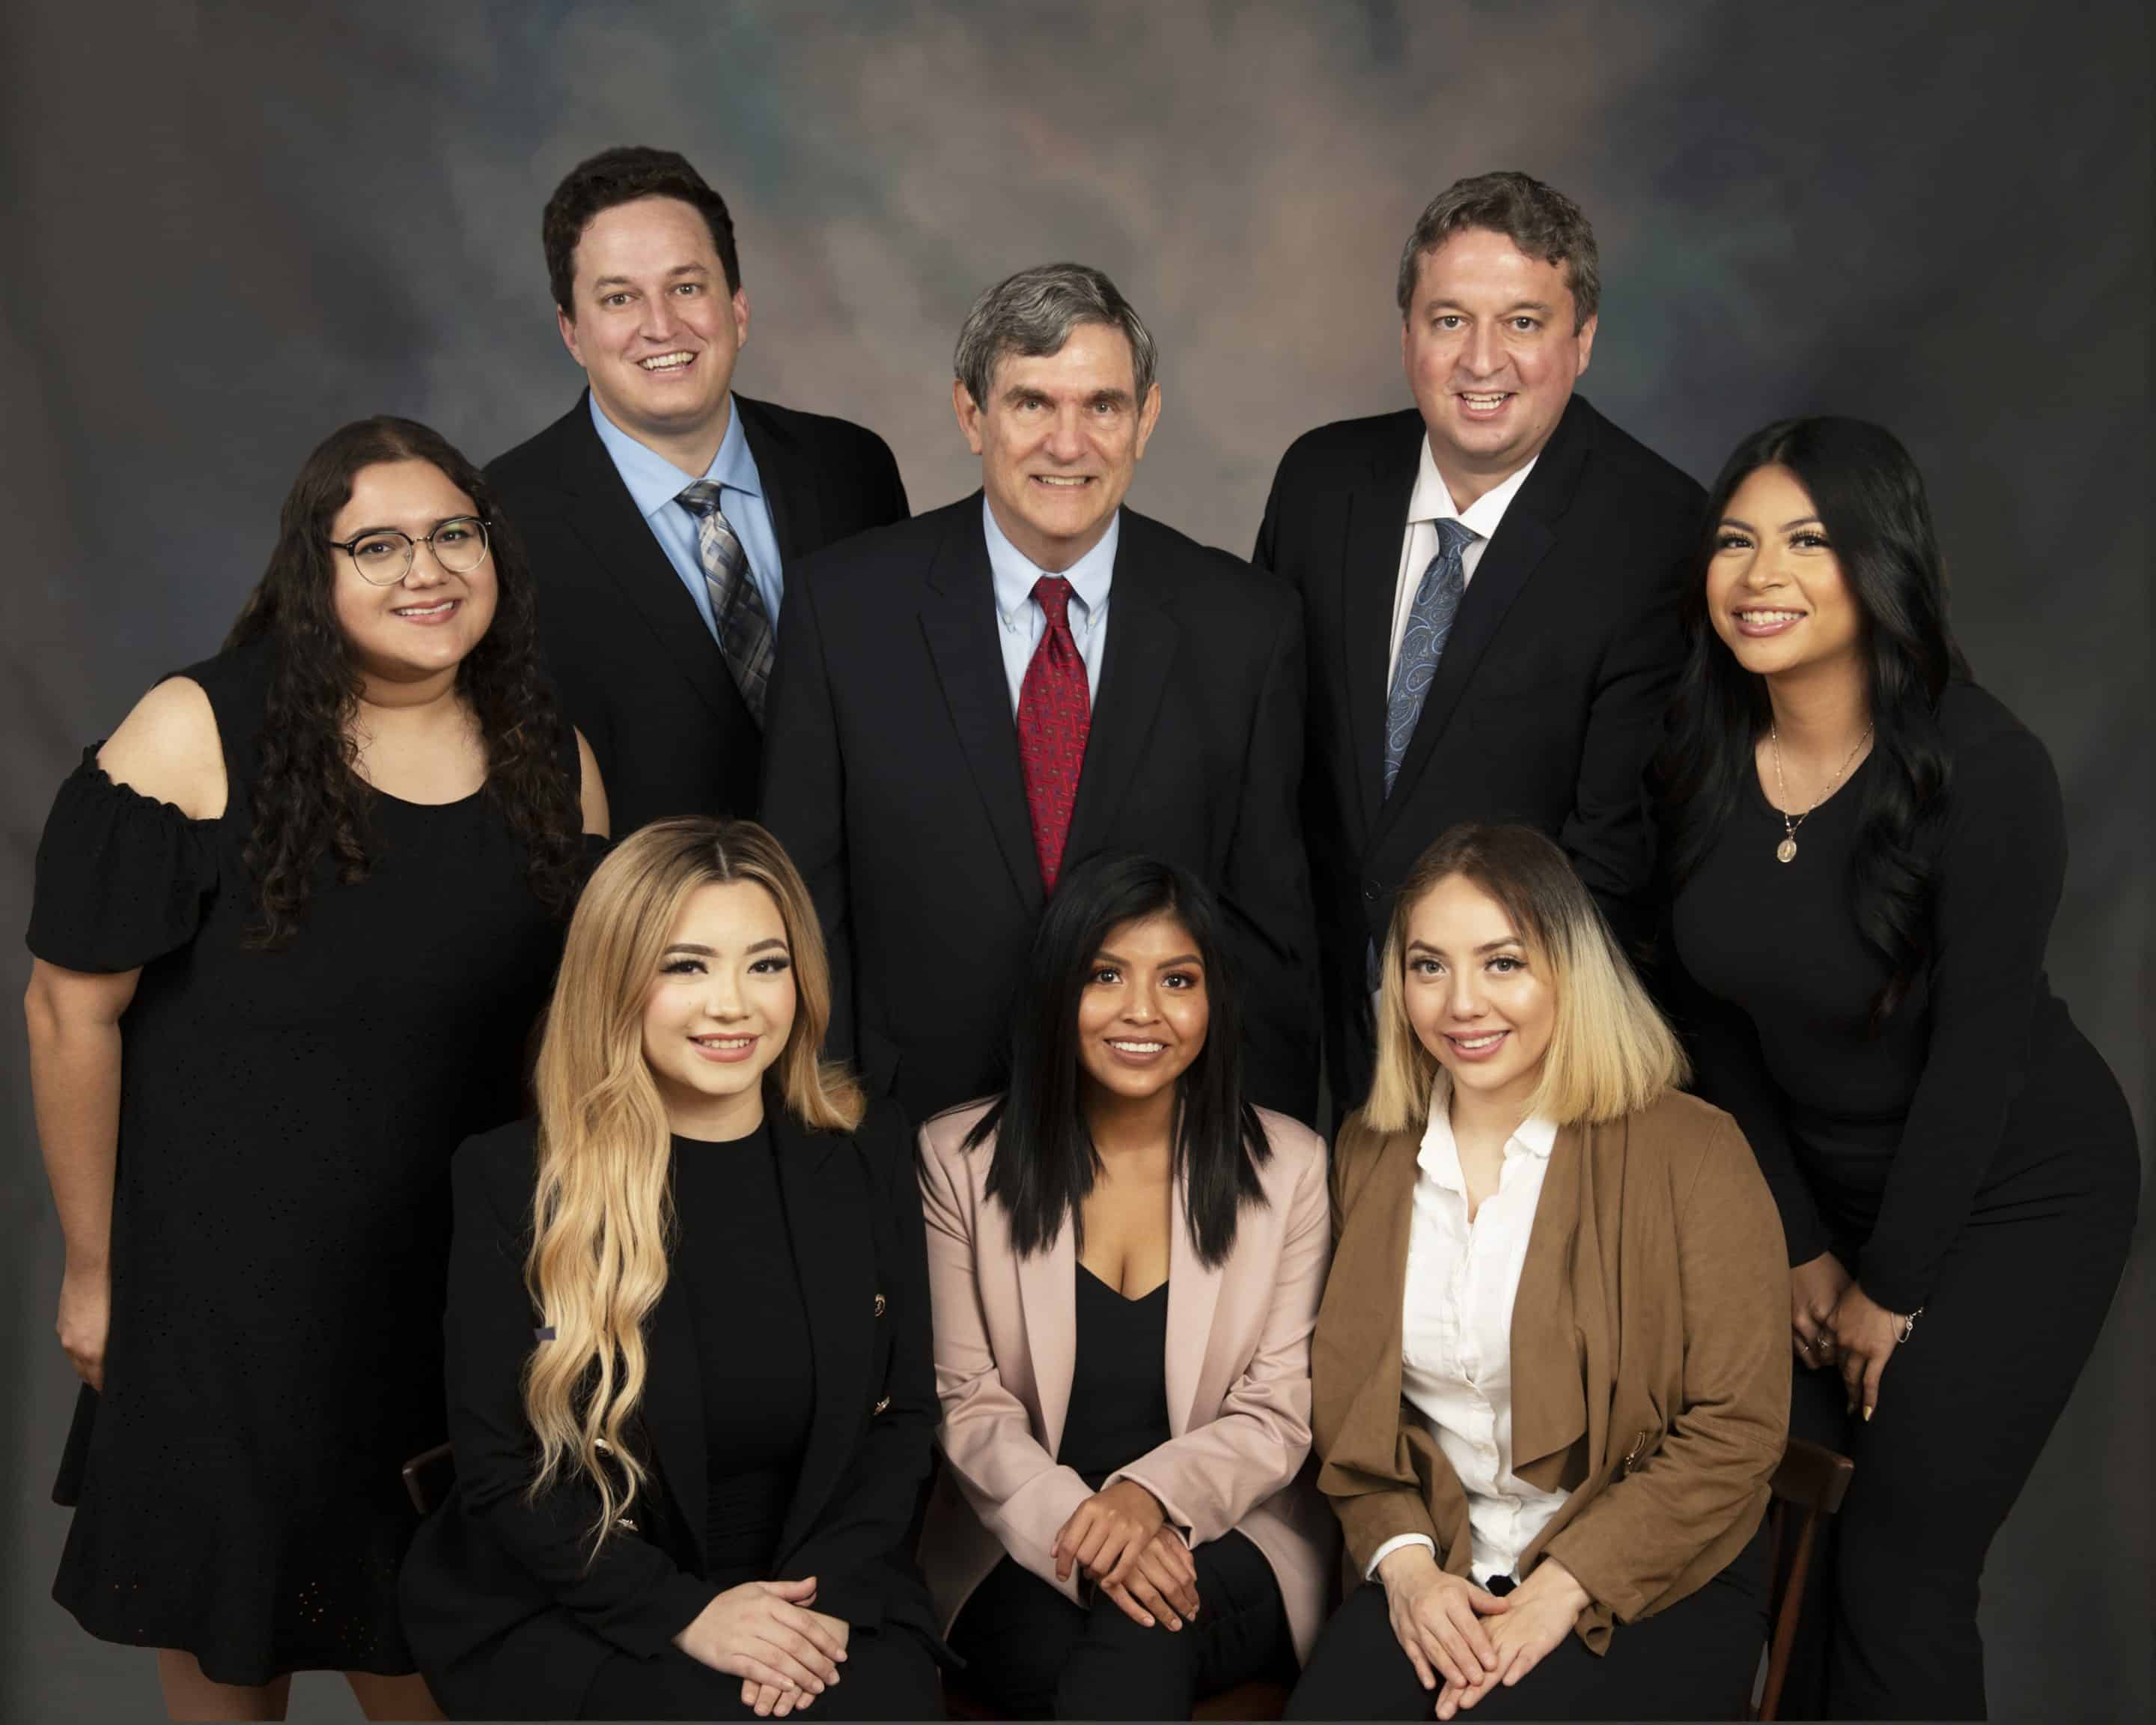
(1125, 1262)
(294, 921)
(1867, 850)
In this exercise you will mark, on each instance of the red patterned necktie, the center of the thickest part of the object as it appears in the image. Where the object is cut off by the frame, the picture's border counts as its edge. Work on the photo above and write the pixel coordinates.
(1054, 715)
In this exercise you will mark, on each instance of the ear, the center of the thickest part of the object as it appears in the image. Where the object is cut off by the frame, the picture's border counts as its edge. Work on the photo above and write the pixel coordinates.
(567, 325)
(741, 317)
(1148, 417)
(968, 412)
(1586, 339)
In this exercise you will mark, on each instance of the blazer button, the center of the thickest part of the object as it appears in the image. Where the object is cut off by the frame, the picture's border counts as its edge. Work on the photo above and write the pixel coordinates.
(1372, 892)
(882, 1402)
(879, 1305)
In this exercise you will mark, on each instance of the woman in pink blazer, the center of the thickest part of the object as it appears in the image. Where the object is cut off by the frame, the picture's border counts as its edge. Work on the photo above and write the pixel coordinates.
(1125, 1264)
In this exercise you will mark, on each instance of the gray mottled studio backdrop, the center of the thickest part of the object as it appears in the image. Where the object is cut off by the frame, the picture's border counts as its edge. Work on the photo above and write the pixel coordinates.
(229, 229)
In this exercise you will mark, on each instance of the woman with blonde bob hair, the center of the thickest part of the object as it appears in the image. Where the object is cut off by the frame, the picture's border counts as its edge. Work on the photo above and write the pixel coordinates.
(1547, 1395)
(691, 1389)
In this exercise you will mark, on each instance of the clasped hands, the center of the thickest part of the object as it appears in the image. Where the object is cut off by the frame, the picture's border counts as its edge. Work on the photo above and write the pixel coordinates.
(1120, 1537)
(1833, 1322)
(764, 1633)
(1438, 1619)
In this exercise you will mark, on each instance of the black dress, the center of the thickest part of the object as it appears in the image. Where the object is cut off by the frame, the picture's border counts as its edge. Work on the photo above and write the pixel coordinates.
(281, 1207)
(1974, 1157)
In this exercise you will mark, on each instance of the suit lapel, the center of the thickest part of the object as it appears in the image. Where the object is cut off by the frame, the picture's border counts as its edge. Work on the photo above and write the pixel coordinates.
(1194, 1291)
(618, 539)
(835, 1256)
(1134, 666)
(1048, 1292)
(673, 1407)
(958, 618)
(791, 489)
(1523, 540)
(1369, 576)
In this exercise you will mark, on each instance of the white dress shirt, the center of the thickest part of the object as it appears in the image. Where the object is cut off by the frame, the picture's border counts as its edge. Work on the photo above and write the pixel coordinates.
(1456, 1333)
(1020, 622)
(1431, 504)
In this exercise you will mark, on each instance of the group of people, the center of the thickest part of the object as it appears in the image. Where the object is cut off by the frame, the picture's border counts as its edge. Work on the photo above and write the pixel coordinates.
(893, 1251)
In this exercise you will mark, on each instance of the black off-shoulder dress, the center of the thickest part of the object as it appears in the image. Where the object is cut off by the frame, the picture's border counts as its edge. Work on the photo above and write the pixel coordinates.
(281, 1211)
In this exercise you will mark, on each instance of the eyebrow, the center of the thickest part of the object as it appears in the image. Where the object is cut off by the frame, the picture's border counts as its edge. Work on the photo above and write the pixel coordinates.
(1105, 957)
(1027, 391)
(462, 514)
(696, 951)
(1802, 520)
(608, 281)
(1482, 950)
(1518, 305)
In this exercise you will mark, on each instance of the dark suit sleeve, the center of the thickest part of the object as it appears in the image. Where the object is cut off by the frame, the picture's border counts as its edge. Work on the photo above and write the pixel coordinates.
(870, 1520)
(889, 488)
(1265, 892)
(1608, 835)
(631, 1593)
(1267, 549)
(804, 790)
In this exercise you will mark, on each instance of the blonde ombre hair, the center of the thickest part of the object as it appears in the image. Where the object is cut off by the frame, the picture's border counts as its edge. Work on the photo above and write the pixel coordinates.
(1610, 1054)
(601, 1209)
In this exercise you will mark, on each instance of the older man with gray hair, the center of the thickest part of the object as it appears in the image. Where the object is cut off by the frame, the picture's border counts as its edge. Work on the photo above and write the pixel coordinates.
(968, 704)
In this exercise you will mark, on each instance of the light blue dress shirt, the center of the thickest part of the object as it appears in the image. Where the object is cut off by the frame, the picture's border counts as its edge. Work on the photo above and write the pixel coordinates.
(654, 483)
(1020, 622)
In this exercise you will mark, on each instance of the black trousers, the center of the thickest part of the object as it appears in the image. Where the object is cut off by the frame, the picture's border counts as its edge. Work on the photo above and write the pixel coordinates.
(1964, 1409)
(1032, 1654)
(1695, 1661)
(888, 1674)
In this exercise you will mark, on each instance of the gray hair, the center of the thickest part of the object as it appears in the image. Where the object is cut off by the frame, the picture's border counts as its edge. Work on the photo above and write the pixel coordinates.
(1033, 313)
(1539, 219)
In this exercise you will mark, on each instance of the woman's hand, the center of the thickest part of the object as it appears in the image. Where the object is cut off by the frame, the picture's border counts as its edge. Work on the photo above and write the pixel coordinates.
(764, 1633)
(1105, 1533)
(1437, 1617)
(85, 1316)
(1868, 1333)
(1543, 1611)
(1815, 1289)
(1162, 1585)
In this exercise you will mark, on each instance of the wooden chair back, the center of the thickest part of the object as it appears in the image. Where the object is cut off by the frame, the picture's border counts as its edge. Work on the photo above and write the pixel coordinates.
(1808, 1487)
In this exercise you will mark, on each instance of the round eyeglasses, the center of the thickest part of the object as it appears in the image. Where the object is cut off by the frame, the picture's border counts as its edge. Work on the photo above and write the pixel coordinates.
(384, 555)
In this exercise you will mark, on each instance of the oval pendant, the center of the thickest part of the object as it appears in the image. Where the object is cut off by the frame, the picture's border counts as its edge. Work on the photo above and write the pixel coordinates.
(1786, 850)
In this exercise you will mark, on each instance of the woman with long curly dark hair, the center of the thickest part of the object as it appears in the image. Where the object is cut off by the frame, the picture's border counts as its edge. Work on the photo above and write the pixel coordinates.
(294, 921)
(1867, 850)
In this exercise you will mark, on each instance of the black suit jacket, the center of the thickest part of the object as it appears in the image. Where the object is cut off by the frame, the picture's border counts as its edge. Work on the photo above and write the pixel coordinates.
(504, 1615)
(892, 777)
(1548, 702)
(638, 672)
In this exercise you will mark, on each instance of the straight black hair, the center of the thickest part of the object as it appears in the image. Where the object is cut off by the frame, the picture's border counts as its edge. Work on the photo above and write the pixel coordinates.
(1870, 499)
(1044, 1162)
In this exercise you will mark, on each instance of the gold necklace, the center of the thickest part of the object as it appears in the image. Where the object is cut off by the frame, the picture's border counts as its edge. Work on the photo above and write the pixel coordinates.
(1786, 851)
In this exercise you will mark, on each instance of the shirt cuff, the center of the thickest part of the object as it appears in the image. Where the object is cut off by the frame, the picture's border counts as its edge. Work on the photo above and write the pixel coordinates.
(1393, 1544)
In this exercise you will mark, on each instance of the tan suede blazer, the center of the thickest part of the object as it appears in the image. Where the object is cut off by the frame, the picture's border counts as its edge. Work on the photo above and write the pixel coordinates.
(1650, 1358)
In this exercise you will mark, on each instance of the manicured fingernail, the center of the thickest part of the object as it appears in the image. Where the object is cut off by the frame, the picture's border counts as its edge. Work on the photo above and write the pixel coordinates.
(1867, 1414)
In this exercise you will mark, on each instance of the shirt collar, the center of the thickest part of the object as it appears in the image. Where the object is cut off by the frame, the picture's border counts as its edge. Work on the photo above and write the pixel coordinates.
(1014, 573)
(1440, 1155)
(1433, 502)
(654, 482)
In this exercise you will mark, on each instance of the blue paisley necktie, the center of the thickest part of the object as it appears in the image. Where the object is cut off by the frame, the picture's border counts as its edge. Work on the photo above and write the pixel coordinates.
(1430, 621)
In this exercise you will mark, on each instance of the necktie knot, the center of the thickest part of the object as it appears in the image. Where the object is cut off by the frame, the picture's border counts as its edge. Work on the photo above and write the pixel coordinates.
(700, 497)
(1052, 594)
(1453, 538)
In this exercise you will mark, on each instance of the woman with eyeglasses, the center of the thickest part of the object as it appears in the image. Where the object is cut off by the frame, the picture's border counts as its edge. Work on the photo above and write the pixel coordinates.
(293, 922)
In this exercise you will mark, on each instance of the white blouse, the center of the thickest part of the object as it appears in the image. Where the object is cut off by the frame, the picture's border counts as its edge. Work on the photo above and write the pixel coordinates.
(1456, 1333)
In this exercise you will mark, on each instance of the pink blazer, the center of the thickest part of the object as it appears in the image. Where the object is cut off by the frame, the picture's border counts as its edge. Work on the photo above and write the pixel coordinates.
(1237, 1369)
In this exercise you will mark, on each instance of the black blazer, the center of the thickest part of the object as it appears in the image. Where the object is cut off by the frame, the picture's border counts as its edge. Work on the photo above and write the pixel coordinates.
(638, 672)
(1548, 702)
(504, 1615)
(892, 775)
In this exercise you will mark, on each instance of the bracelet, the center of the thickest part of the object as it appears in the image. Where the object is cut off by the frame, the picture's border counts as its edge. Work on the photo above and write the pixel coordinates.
(1906, 1327)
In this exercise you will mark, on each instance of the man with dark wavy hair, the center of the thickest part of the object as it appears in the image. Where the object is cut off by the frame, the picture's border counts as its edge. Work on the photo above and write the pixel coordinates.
(1492, 582)
(662, 512)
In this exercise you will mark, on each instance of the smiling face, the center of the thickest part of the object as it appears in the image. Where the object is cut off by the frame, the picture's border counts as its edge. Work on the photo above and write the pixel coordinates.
(422, 627)
(1491, 356)
(1775, 590)
(1142, 1014)
(1060, 439)
(720, 1010)
(655, 327)
(1478, 1000)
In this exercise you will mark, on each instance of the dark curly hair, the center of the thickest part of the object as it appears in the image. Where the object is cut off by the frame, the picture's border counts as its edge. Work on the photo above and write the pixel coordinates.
(1870, 499)
(622, 176)
(307, 796)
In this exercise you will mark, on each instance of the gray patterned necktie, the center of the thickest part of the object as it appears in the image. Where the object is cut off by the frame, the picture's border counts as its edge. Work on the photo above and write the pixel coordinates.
(738, 618)
(1430, 621)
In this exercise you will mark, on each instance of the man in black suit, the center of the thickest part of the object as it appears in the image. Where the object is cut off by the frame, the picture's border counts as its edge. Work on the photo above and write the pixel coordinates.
(1490, 584)
(662, 513)
(969, 703)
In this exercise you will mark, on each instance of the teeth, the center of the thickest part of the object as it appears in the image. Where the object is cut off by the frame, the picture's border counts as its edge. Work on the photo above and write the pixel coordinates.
(1769, 616)
(1049, 479)
(666, 362)
(1136, 1047)
(1481, 401)
(1478, 1041)
(435, 610)
(722, 1041)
